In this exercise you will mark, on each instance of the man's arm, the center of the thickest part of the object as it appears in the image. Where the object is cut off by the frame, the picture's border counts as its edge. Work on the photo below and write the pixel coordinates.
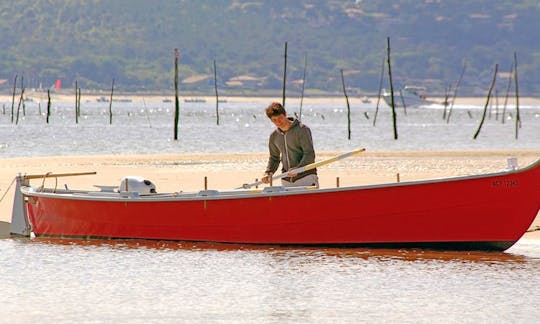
(274, 158)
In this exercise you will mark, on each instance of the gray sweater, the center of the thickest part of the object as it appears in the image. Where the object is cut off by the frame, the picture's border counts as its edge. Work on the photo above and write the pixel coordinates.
(293, 148)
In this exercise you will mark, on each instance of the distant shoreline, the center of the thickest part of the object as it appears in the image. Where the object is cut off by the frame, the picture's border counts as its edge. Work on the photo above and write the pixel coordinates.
(153, 98)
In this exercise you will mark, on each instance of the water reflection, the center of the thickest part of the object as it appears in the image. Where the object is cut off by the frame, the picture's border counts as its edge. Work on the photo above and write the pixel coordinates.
(413, 254)
(72, 280)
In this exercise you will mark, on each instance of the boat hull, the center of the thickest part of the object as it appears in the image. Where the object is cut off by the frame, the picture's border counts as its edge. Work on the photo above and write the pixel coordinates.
(478, 213)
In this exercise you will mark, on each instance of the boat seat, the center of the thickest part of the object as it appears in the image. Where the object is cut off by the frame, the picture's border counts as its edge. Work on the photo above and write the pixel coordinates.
(274, 189)
(106, 188)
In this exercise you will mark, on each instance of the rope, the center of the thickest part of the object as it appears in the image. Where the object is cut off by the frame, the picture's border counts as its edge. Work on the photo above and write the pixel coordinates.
(5, 193)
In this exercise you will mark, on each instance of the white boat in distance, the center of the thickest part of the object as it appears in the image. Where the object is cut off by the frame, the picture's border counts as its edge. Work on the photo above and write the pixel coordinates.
(411, 96)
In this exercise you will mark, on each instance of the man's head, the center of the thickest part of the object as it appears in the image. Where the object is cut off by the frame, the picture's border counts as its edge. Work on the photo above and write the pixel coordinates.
(275, 109)
(278, 116)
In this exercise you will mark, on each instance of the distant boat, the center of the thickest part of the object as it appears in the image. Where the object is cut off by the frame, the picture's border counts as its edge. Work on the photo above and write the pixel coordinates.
(365, 99)
(122, 100)
(104, 99)
(410, 95)
(194, 100)
(167, 100)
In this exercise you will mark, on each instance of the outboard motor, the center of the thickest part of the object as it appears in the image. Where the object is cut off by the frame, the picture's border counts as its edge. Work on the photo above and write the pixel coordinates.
(136, 184)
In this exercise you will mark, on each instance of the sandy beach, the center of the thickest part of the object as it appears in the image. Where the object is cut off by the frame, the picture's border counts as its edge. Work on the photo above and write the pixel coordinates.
(187, 172)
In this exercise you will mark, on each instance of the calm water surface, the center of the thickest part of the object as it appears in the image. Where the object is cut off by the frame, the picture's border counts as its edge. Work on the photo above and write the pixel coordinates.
(55, 280)
(147, 128)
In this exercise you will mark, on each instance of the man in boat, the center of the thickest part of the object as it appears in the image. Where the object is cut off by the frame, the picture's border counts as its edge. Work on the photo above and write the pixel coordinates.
(291, 144)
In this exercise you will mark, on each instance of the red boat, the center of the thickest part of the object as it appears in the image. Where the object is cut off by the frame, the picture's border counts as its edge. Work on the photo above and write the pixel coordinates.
(479, 212)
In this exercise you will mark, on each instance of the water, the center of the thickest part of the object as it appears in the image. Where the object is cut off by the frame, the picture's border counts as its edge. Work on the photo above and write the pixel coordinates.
(55, 280)
(147, 128)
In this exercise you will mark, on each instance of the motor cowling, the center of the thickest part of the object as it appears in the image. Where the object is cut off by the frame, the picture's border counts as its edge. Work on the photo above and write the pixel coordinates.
(136, 184)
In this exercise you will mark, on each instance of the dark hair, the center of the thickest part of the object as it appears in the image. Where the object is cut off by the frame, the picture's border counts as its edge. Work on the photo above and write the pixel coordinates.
(275, 109)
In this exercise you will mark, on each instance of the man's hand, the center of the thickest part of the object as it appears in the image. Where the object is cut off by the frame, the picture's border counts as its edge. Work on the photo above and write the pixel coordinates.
(266, 178)
(291, 173)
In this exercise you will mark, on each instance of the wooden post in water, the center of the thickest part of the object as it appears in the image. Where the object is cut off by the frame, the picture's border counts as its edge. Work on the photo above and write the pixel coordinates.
(348, 106)
(284, 75)
(21, 98)
(455, 92)
(518, 118)
(490, 106)
(217, 95)
(76, 105)
(79, 103)
(445, 102)
(380, 89)
(176, 103)
(48, 104)
(403, 102)
(391, 89)
(487, 101)
(507, 92)
(110, 103)
(303, 87)
(496, 104)
(13, 98)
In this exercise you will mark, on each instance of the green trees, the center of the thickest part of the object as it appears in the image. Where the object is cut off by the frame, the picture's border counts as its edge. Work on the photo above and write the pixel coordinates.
(94, 41)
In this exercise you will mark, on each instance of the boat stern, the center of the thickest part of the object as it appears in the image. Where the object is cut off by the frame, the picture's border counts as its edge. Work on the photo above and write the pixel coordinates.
(20, 224)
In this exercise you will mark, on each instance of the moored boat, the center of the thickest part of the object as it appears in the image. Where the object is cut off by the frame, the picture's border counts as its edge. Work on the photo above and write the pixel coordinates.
(408, 96)
(478, 212)
(198, 100)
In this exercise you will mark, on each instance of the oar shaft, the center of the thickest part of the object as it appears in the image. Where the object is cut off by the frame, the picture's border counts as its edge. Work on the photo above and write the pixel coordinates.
(306, 167)
(327, 161)
(56, 175)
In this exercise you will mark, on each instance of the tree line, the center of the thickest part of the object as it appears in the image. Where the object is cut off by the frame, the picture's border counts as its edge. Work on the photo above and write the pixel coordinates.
(132, 41)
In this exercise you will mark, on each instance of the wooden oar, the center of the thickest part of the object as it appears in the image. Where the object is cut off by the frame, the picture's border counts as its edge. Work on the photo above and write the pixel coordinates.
(305, 168)
(56, 175)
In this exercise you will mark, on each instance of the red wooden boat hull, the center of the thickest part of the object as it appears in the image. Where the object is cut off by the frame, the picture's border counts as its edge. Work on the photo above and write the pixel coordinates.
(478, 212)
